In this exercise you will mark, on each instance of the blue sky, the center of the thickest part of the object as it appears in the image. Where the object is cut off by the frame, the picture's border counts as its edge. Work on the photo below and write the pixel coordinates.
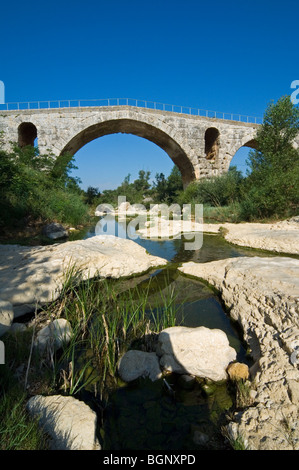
(230, 56)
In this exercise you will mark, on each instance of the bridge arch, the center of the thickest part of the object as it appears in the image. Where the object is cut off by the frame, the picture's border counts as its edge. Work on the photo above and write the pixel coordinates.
(141, 129)
(27, 133)
(240, 155)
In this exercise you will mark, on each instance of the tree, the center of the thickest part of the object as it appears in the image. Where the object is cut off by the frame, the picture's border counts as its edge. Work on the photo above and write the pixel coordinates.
(142, 182)
(174, 184)
(160, 186)
(271, 187)
(92, 195)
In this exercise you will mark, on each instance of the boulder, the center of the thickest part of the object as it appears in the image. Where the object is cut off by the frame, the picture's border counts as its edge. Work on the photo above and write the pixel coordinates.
(135, 364)
(70, 423)
(55, 231)
(200, 351)
(6, 316)
(53, 336)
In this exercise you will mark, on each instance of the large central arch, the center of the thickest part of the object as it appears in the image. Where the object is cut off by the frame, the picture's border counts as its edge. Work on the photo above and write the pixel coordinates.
(138, 128)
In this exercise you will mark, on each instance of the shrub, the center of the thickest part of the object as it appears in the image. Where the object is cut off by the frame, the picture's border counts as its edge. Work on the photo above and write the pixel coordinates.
(217, 191)
(30, 188)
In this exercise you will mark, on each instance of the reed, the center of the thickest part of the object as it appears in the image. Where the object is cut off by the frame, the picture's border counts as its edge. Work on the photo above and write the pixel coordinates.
(106, 320)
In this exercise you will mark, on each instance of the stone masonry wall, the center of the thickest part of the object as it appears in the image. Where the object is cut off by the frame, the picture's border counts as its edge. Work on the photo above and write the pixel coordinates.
(182, 136)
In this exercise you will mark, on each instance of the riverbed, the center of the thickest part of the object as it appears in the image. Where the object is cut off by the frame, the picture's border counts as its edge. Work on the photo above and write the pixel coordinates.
(176, 415)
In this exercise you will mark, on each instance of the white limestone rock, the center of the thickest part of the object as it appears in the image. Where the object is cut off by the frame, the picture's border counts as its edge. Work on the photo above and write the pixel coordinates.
(70, 423)
(35, 275)
(279, 237)
(135, 364)
(262, 294)
(200, 351)
(53, 336)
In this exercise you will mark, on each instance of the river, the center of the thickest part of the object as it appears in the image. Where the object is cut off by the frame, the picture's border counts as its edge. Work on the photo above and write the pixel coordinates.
(176, 416)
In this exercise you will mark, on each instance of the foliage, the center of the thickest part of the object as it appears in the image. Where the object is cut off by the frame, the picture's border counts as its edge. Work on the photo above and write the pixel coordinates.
(271, 187)
(17, 430)
(167, 190)
(142, 182)
(92, 195)
(36, 186)
(218, 191)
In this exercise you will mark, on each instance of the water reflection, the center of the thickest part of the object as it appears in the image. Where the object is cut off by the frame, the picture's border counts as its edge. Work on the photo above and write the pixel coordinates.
(214, 246)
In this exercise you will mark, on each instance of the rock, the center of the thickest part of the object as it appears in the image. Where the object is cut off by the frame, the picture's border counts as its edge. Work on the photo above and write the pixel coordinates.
(6, 316)
(123, 207)
(135, 364)
(238, 371)
(53, 336)
(165, 228)
(70, 423)
(262, 294)
(103, 209)
(282, 237)
(30, 275)
(55, 231)
(200, 351)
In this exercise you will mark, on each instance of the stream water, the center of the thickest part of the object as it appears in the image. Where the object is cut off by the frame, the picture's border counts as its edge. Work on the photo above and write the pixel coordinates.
(189, 414)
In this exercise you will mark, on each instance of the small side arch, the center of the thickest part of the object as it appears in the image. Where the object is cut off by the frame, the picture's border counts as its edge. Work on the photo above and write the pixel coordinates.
(212, 143)
(27, 133)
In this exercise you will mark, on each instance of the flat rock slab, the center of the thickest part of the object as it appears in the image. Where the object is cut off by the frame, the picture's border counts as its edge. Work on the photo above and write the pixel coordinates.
(263, 296)
(280, 237)
(30, 275)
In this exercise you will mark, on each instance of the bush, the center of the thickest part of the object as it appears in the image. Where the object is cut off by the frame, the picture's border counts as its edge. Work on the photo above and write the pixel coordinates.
(30, 188)
(218, 191)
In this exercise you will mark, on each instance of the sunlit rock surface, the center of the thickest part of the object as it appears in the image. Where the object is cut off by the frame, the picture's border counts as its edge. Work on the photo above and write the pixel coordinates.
(200, 351)
(262, 294)
(35, 275)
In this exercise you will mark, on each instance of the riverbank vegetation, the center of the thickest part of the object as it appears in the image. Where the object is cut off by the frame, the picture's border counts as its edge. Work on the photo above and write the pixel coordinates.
(35, 187)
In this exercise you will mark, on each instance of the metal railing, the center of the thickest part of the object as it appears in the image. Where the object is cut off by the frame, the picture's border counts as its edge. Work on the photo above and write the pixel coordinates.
(58, 104)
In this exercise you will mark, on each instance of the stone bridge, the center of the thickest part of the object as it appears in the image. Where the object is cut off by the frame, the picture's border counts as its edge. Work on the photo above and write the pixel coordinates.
(200, 146)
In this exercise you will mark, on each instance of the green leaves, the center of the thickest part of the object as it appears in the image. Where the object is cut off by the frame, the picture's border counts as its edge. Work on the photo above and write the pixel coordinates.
(38, 186)
(271, 188)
